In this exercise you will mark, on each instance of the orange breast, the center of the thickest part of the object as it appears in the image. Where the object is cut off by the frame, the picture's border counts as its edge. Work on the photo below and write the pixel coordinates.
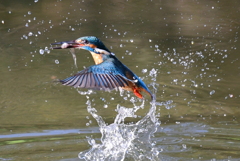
(97, 58)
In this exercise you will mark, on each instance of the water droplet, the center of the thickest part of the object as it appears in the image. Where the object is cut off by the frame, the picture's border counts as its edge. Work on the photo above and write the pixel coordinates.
(41, 51)
(184, 146)
(30, 34)
(25, 37)
(175, 80)
(144, 71)
(212, 92)
(29, 12)
(35, 1)
(57, 61)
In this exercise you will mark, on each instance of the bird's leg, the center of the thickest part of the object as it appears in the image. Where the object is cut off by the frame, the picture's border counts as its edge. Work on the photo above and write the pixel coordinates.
(137, 93)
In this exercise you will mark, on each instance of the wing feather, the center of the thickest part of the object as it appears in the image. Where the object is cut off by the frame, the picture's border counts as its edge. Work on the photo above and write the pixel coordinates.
(92, 80)
(102, 77)
(106, 78)
(114, 81)
(84, 81)
(102, 81)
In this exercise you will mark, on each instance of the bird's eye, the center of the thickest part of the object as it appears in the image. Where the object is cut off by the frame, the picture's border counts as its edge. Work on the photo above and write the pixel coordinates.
(85, 41)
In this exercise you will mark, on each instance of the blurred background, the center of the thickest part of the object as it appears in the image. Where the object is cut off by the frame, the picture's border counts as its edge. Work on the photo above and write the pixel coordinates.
(192, 45)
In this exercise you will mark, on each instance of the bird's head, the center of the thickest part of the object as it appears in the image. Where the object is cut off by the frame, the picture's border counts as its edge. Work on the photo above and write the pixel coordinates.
(90, 43)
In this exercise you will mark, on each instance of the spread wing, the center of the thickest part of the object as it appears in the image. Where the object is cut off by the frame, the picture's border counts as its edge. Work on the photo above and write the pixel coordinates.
(104, 76)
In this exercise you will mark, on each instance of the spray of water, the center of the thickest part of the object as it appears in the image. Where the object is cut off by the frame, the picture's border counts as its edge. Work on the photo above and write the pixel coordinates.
(122, 141)
(72, 51)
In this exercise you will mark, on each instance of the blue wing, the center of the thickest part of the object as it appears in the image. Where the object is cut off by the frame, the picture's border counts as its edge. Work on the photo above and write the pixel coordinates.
(105, 76)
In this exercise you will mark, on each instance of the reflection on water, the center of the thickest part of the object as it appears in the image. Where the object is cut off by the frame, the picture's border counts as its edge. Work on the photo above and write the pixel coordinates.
(51, 133)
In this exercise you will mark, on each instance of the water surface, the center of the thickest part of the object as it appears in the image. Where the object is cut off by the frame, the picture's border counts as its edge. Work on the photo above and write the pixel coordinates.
(192, 46)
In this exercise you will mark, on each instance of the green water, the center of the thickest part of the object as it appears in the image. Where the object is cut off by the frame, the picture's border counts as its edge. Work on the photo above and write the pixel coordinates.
(193, 45)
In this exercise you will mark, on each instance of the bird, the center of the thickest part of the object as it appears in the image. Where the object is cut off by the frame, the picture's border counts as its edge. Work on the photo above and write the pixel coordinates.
(107, 74)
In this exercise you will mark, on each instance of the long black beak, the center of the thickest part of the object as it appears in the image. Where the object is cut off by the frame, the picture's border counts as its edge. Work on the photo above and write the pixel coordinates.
(66, 44)
(73, 44)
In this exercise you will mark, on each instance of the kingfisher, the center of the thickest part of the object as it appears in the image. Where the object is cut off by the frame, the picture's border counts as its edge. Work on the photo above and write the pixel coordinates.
(107, 74)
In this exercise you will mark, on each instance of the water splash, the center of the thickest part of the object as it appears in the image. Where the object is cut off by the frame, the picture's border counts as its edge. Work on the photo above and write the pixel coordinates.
(72, 51)
(122, 141)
